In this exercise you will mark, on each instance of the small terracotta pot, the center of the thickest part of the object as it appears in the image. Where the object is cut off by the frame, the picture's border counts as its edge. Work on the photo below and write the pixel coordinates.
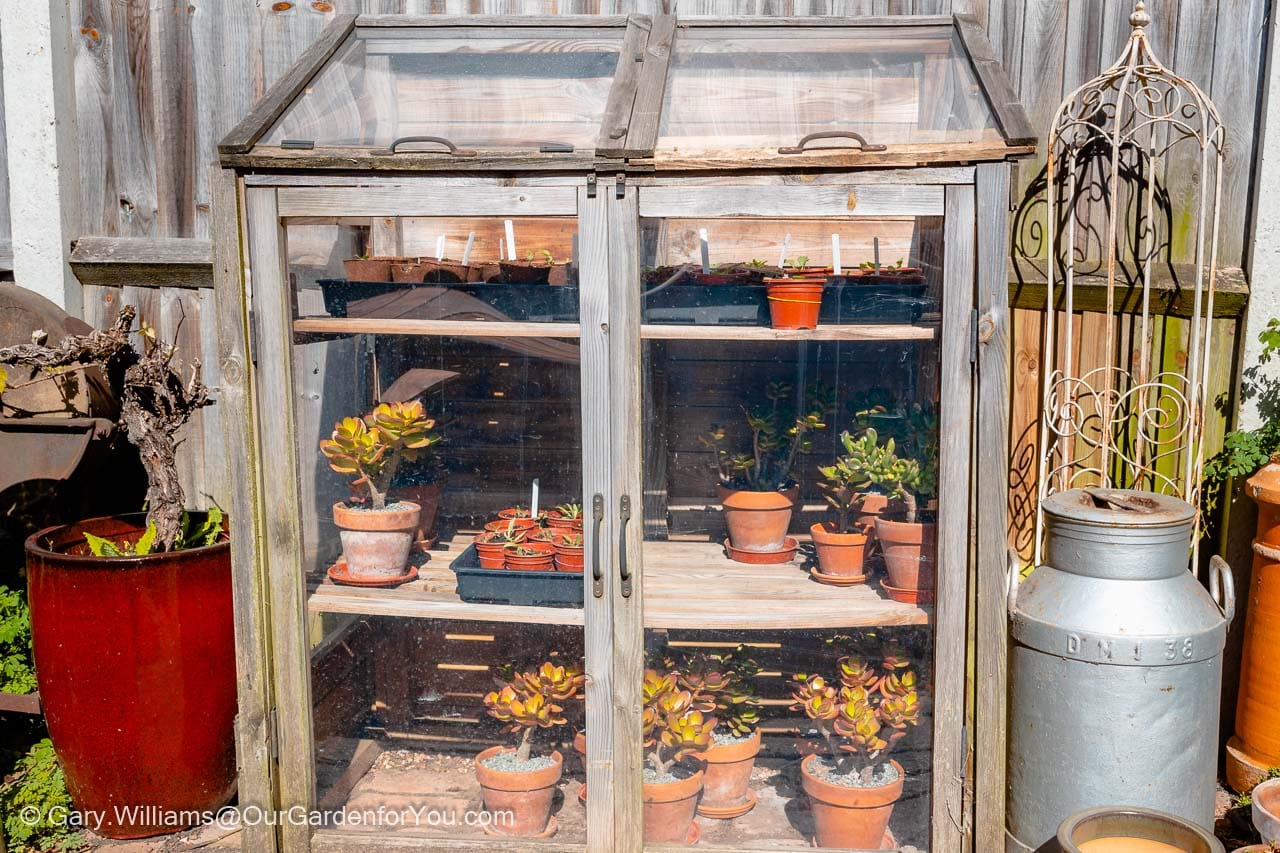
(559, 274)
(560, 522)
(757, 521)
(580, 743)
(492, 554)
(727, 779)
(444, 271)
(850, 817)
(376, 543)
(792, 494)
(527, 797)
(1266, 810)
(910, 552)
(484, 273)
(367, 269)
(409, 271)
(569, 558)
(522, 524)
(669, 808)
(542, 562)
(521, 520)
(522, 272)
(870, 508)
(839, 554)
(794, 303)
(427, 496)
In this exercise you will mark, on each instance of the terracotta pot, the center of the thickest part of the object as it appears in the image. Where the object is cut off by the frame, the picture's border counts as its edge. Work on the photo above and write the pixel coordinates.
(669, 808)
(757, 521)
(368, 269)
(376, 543)
(910, 552)
(410, 271)
(426, 496)
(492, 554)
(569, 558)
(871, 507)
(792, 493)
(542, 562)
(850, 817)
(526, 797)
(135, 659)
(839, 554)
(713, 279)
(1266, 810)
(559, 274)
(794, 304)
(556, 520)
(727, 781)
(580, 743)
(521, 519)
(444, 271)
(522, 272)
(521, 524)
(484, 273)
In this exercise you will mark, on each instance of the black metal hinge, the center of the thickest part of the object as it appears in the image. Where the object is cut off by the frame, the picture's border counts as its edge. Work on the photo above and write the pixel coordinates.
(591, 186)
(620, 188)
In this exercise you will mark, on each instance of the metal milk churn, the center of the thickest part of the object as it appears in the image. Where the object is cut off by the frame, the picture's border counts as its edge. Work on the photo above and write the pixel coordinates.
(1115, 665)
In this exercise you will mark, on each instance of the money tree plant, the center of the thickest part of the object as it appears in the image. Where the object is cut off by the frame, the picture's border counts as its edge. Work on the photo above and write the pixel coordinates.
(372, 447)
(779, 432)
(677, 722)
(532, 700)
(863, 714)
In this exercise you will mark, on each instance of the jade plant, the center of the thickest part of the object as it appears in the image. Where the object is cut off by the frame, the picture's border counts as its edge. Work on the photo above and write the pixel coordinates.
(677, 722)
(779, 432)
(849, 478)
(533, 700)
(863, 715)
(906, 480)
(373, 447)
(729, 680)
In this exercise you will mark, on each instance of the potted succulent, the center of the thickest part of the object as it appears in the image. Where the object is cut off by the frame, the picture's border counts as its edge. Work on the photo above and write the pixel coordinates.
(567, 516)
(795, 298)
(366, 268)
(841, 544)
(569, 551)
(376, 534)
(143, 601)
(677, 731)
(853, 787)
(758, 489)
(514, 780)
(531, 556)
(905, 532)
(729, 679)
(522, 517)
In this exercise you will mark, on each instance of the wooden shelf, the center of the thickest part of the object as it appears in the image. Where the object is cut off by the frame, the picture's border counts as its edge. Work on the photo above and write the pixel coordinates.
(686, 585)
(851, 332)
(454, 328)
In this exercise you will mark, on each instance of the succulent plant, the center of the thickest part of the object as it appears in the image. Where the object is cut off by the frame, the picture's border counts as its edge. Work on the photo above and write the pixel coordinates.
(570, 510)
(529, 701)
(372, 447)
(869, 464)
(568, 540)
(779, 432)
(675, 721)
(863, 717)
(729, 679)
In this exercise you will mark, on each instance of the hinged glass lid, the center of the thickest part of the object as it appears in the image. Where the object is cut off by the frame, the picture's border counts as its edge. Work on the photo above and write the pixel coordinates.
(539, 88)
(777, 87)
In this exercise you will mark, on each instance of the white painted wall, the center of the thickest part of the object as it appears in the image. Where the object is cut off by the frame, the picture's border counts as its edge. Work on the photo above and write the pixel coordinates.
(40, 133)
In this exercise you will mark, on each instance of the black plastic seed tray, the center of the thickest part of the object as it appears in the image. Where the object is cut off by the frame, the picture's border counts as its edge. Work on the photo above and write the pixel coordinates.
(477, 585)
(843, 302)
(539, 303)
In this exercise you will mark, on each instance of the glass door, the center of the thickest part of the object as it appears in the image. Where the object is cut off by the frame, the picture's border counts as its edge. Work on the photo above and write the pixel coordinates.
(425, 404)
(800, 352)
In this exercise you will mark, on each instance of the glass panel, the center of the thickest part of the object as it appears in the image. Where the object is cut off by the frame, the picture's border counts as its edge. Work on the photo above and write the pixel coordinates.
(475, 86)
(767, 87)
(410, 652)
(756, 585)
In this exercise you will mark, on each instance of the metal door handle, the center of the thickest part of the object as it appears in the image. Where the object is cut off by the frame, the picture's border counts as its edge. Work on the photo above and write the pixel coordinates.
(597, 518)
(624, 570)
(454, 151)
(863, 145)
(1222, 586)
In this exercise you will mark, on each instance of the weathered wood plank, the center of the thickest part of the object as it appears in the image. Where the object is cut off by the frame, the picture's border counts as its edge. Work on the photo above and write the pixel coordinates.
(428, 201)
(1005, 104)
(646, 112)
(869, 332)
(143, 261)
(1027, 289)
(612, 141)
(806, 202)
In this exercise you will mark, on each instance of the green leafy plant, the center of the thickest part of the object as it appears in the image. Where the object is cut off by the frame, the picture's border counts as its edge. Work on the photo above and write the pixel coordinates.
(800, 263)
(906, 480)
(676, 722)
(846, 481)
(37, 787)
(779, 433)
(528, 701)
(729, 679)
(541, 255)
(757, 264)
(373, 447)
(17, 669)
(191, 535)
(870, 266)
(863, 714)
(569, 511)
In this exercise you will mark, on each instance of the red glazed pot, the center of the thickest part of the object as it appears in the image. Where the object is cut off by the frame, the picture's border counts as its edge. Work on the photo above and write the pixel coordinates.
(839, 554)
(727, 780)
(526, 797)
(376, 542)
(135, 660)
(850, 817)
(794, 303)
(669, 808)
(910, 551)
(757, 521)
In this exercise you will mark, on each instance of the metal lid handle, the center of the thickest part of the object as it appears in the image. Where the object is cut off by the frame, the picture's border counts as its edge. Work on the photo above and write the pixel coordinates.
(453, 150)
(1222, 586)
(862, 145)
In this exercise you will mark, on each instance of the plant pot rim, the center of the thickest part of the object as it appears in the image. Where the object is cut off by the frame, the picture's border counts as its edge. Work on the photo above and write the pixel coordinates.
(849, 797)
(839, 540)
(672, 792)
(732, 753)
(409, 510)
(532, 780)
(743, 500)
(33, 545)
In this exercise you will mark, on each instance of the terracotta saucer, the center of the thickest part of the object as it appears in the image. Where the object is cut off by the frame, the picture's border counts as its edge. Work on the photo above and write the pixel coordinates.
(695, 833)
(730, 811)
(424, 545)
(338, 574)
(546, 833)
(783, 555)
(908, 596)
(582, 794)
(836, 580)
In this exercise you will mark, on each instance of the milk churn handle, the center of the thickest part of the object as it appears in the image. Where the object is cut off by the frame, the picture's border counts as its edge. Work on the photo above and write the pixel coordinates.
(1015, 577)
(1222, 586)
(1117, 500)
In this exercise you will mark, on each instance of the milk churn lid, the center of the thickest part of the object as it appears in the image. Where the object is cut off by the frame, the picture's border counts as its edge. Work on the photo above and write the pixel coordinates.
(1119, 507)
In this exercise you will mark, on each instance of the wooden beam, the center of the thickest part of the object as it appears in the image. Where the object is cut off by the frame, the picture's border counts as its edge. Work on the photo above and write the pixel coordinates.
(1005, 104)
(612, 140)
(646, 113)
(20, 703)
(1231, 291)
(143, 261)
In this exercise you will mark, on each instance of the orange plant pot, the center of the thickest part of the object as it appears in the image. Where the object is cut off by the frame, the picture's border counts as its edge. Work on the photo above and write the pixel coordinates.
(839, 554)
(910, 552)
(669, 808)
(376, 543)
(794, 303)
(523, 524)
(492, 554)
(726, 786)
(526, 797)
(757, 521)
(542, 562)
(850, 817)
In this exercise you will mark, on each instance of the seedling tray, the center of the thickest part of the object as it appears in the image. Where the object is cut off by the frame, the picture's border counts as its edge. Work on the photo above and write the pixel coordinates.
(843, 302)
(524, 303)
(477, 585)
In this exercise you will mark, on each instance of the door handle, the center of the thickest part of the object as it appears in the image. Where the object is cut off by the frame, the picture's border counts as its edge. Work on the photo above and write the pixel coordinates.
(597, 518)
(624, 570)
